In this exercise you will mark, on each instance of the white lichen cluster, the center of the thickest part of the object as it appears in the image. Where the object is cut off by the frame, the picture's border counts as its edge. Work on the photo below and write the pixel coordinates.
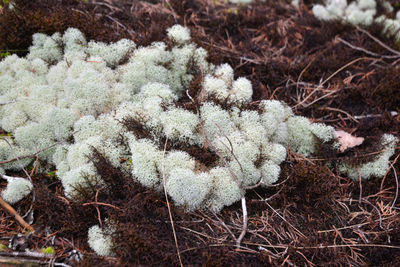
(375, 168)
(303, 134)
(75, 98)
(250, 144)
(69, 97)
(69, 89)
(100, 239)
(222, 85)
(17, 188)
(179, 34)
(361, 13)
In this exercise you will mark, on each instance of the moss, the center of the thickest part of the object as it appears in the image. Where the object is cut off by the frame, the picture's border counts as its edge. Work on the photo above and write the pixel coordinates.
(28, 17)
(57, 214)
(385, 84)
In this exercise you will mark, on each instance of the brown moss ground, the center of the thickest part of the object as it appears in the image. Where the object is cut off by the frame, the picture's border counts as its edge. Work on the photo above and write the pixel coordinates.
(313, 217)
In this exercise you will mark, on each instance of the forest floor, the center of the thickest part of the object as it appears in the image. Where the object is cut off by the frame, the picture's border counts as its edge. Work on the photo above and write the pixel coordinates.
(340, 75)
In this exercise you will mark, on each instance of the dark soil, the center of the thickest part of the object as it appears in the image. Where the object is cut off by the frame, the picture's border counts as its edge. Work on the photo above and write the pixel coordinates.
(313, 217)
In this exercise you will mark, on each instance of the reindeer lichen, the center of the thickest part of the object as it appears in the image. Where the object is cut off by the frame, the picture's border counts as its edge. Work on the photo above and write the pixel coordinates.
(69, 98)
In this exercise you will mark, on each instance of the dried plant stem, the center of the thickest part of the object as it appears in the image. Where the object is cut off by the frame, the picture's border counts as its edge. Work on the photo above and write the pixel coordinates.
(28, 258)
(33, 155)
(29, 213)
(342, 111)
(360, 185)
(168, 204)
(172, 11)
(365, 50)
(397, 187)
(323, 246)
(397, 53)
(396, 179)
(101, 204)
(353, 226)
(280, 216)
(225, 226)
(244, 225)
(235, 178)
(18, 217)
(97, 208)
(302, 103)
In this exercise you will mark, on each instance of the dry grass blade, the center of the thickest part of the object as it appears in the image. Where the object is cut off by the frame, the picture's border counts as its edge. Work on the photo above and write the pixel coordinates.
(397, 186)
(280, 216)
(397, 53)
(302, 103)
(168, 204)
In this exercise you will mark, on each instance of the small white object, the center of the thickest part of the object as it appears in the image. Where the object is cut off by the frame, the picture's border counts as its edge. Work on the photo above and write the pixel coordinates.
(100, 240)
(179, 34)
(17, 188)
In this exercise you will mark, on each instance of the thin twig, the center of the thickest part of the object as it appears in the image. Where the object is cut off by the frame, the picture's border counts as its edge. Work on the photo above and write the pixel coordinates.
(397, 182)
(365, 50)
(330, 77)
(239, 182)
(307, 260)
(349, 245)
(30, 254)
(18, 217)
(168, 204)
(301, 74)
(256, 185)
(339, 110)
(360, 185)
(30, 211)
(33, 155)
(244, 226)
(9, 102)
(97, 208)
(225, 226)
(397, 186)
(111, 7)
(172, 10)
(378, 41)
(198, 233)
(320, 98)
(101, 204)
(353, 226)
(280, 216)
(324, 246)
(392, 113)
(377, 210)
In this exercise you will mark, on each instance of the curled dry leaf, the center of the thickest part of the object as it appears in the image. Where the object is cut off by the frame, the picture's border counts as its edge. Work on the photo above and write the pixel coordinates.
(347, 140)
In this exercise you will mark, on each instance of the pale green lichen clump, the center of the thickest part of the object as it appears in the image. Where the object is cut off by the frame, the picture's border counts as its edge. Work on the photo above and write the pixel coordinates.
(69, 97)
(17, 188)
(377, 167)
(99, 240)
(360, 13)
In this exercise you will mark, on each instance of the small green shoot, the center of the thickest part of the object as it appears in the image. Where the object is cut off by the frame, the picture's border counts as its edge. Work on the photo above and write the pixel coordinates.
(48, 250)
(4, 2)
(5, 54)
(234, 11)
(51, 175)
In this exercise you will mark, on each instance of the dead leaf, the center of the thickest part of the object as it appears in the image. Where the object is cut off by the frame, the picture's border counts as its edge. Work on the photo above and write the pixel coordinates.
(347, 140)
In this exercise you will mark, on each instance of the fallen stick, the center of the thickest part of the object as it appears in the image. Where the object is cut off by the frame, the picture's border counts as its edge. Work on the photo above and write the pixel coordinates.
(18, 217)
